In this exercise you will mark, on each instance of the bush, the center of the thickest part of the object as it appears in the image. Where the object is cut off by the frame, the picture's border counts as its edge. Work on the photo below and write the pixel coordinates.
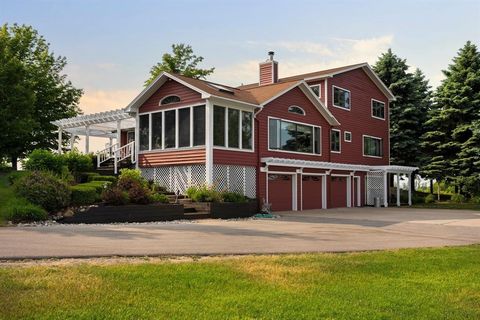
(129, 178)
(155, 187)
(99, 186)
(203, 194)
(84, 195)
(139, 194)
(458, 198)
(233, 197)
(430, 198)
(112, 179)
(475, 200)
(158, 197)
(44, 189)
(15, 175)
(115, 196)
(77, 162)
(44, 160)
(20, 210)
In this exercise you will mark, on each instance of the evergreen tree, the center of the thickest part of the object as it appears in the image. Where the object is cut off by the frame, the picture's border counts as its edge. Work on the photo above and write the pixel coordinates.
(452, 134)
(408, 112)
(181, 61)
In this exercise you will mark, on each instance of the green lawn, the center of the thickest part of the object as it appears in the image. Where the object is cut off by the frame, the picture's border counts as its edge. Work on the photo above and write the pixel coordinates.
(448, 205)
(406, 284)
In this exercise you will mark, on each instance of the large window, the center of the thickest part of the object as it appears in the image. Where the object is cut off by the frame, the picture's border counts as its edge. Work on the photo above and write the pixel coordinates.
(292, 136)
(166, 131)
(236, 124)
(372, 146)
(378, 109)
(335, 140)
(341, 98)
(144, 128)
(157, 130)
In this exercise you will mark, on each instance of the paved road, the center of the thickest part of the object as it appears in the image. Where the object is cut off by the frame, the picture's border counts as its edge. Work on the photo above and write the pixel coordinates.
(308, 231)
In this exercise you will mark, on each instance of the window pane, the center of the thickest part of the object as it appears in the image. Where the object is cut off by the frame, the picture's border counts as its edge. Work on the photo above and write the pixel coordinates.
(341, 98)
(378, 109)
(317, 140)
(316, 90)
(170, 123)
(287, 136)
(157, 130)
(247, 130)
(144, 131)
(304, 137)
(219, 126)
(233, 127)
(184, 127)
(199, 126)
(372, 147)
(335, 140)
(273, 131)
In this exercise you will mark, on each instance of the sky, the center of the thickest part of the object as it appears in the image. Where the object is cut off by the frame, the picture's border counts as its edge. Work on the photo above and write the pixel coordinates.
(111, 45)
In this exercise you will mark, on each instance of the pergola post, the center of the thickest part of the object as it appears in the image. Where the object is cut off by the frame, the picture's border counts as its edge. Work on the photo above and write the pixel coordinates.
(119, 132)
(410, 189)
(398, 189)
(385, 189)
(87, 139)
(59, 140)
(72, 142)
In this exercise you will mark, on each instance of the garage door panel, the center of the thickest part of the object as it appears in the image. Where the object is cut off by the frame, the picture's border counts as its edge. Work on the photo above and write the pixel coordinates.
(338, 188)
(280, 192)
(311, 192)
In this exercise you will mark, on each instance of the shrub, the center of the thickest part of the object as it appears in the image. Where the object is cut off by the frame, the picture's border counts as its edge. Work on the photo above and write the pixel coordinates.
(458, 198)
(203, 194)
(159, 197)
(44, 189)
(139, 194)
(130, 177)
(112, 179)
(115, 196)
(155, 187)
(15, 175)
(475, 200)
(44, 160)
(77, 162)
(20, 210)
(430, 198)
(99, 186)
(234, 197)
(83, 195)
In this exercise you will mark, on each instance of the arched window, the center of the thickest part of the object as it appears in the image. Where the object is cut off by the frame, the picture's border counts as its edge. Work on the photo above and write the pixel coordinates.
(296, 109)
(169, 99)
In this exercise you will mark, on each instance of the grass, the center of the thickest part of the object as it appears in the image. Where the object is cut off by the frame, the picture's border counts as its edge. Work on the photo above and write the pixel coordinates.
(6, 196)
(442, 283)
(448, 205)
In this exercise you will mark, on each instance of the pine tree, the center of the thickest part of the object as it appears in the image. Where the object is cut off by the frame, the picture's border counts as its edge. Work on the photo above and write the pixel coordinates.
(451, 135)
(408, 112)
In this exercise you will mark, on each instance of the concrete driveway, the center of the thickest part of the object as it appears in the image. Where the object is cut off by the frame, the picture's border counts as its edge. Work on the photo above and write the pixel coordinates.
(307, 231)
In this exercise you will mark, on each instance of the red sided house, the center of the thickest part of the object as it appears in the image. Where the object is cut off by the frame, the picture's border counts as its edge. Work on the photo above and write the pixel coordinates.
(317, 140)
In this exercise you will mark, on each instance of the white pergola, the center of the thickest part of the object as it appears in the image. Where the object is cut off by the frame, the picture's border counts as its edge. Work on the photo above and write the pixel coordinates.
(107, 124)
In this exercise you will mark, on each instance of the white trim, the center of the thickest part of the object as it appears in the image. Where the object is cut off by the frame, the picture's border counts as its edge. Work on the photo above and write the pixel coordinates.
(295, 106)
(149, 131)
(326, 91)
(345, 136)
(296, 122)
(349, 98)
(384, 109)
(357, 188)
(339, 140)
(208, 142)
(363, 146)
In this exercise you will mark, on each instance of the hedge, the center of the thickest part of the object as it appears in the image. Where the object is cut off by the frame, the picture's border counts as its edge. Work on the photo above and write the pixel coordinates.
(112, 179)
(20, 210)
(83, 195)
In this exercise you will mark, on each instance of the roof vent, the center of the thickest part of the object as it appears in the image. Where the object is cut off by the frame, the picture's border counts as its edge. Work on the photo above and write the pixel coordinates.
(270, 54)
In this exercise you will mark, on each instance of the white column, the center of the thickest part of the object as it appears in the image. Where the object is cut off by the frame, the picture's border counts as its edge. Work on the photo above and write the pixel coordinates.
(59, 140)
(324, 192)
(119, 132)
(137, 140)
(72, 142)
(349, 191)
(209, 142)
(87, 139)
(410, 189)
(385, 189)
(398, 189)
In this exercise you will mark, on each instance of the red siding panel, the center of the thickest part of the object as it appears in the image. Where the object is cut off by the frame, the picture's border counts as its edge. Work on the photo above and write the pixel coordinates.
(231, 157)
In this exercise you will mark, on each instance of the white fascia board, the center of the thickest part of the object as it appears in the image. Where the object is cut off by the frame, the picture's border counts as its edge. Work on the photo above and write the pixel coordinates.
(220, 100)
(318, 104)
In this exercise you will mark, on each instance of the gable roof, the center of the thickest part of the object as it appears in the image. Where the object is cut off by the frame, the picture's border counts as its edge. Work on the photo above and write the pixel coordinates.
(328, 73)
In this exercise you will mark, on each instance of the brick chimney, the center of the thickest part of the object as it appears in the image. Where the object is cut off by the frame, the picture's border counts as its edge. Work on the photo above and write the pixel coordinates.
(269, 70)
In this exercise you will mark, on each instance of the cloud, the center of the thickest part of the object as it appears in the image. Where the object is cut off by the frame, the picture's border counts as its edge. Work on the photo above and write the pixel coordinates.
(303, 56)
(103, 100)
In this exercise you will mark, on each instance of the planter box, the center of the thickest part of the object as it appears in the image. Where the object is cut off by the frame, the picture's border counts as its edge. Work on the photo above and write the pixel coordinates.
(227, 210)
(129, 213)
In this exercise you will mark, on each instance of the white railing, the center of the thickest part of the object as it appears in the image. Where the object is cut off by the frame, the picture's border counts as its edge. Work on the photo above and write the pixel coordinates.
(106, 154)
(123, 153)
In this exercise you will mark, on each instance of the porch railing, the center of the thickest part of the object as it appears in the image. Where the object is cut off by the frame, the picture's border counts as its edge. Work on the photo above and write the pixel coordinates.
(123, 153)
(106, 154)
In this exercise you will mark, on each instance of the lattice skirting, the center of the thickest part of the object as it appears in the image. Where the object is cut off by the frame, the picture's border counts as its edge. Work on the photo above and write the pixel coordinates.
(375, 187)
(240, 179)
(176, 178)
